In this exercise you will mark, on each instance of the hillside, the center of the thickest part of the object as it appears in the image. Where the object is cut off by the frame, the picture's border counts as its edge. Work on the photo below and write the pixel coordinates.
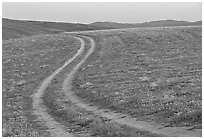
(151, 74)
(20, 28)
(160, 23)
(135, 83)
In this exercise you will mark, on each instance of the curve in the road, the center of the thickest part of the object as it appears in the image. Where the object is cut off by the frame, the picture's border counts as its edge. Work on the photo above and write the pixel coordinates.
(40, 110)
(121, 118)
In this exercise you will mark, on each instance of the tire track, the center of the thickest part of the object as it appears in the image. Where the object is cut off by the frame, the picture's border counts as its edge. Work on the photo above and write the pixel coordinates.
(118, 117)
(40, 110)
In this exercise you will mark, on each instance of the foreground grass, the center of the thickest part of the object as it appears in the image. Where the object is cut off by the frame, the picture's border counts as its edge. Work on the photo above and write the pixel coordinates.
(151, 74)
(26, 62)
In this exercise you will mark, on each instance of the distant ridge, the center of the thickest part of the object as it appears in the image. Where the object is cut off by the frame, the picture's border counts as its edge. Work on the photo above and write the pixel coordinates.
(19, 28)
(159, 23)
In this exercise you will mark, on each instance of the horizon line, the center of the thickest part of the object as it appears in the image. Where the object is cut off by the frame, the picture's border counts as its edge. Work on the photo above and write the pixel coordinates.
(33, 20)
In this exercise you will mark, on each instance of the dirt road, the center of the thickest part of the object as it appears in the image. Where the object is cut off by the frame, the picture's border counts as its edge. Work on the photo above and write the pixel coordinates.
(57, 129)
(54, 128)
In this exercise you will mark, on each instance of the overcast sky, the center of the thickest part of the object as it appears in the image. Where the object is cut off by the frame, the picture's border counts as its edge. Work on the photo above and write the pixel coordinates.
(92, 12)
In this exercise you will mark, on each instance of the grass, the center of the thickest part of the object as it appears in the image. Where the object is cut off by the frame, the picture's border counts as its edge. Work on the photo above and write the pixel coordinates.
(152, 74)
(26, 62)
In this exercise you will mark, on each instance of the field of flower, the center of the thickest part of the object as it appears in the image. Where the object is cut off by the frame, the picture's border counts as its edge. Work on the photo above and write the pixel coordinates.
(152, 74)
(25, 63)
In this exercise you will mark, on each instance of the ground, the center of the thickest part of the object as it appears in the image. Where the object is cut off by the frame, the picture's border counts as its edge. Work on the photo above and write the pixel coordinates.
(151, 74)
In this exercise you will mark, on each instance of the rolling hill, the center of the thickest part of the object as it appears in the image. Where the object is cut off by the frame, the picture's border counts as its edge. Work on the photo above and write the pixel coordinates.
(19, 28)
(159, 23)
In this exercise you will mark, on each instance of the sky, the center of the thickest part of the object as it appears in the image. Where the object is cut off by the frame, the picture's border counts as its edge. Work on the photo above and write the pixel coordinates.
(88, 12)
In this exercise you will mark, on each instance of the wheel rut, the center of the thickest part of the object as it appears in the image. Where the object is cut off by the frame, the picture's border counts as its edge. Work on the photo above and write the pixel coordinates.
(55, 128)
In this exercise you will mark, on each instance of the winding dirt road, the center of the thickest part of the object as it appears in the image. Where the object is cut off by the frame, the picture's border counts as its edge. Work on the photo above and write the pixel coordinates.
(54, 127)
